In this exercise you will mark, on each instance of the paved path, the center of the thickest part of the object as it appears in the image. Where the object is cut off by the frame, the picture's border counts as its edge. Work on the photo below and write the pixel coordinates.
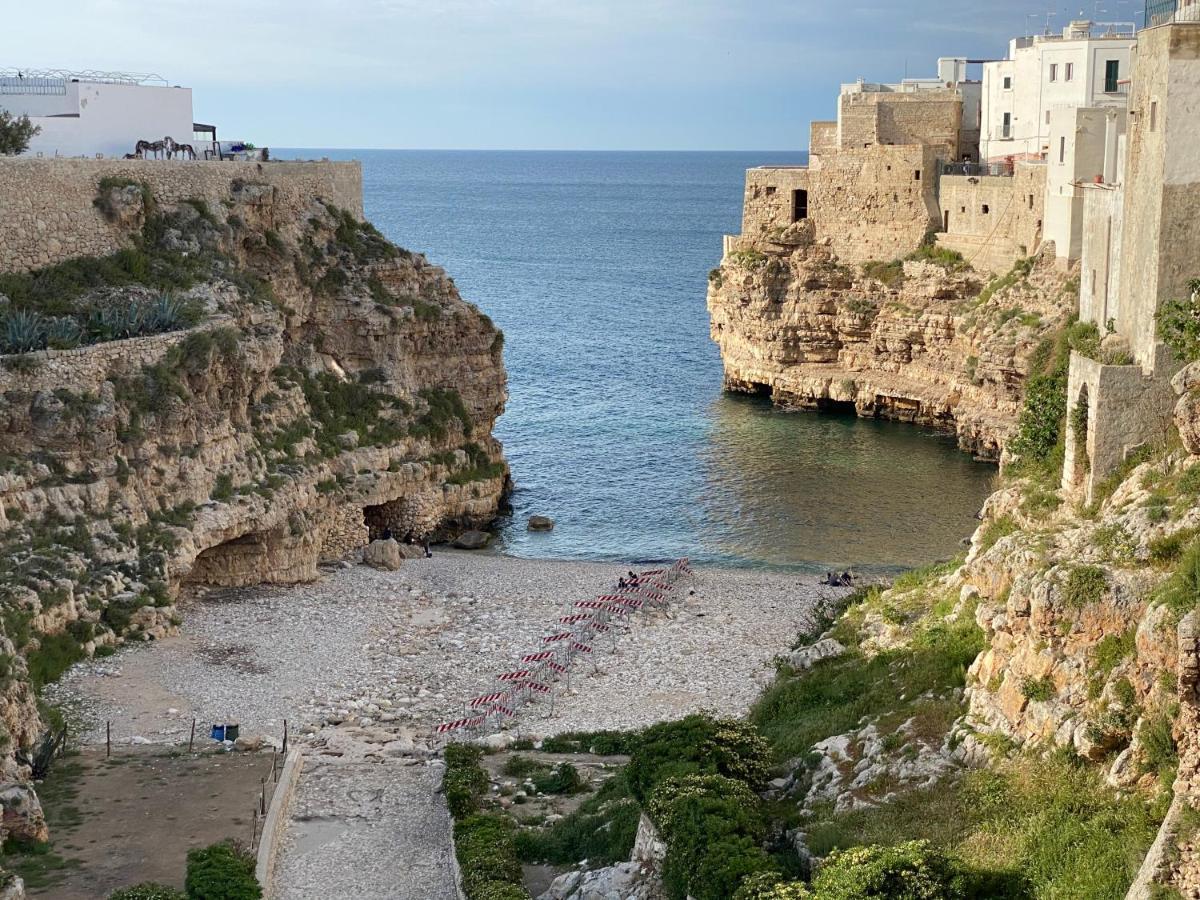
(367, 830)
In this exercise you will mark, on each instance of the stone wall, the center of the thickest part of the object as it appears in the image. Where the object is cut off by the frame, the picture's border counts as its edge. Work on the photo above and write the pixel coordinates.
(933, 118)
(993, 220)
(822, 139)
(49, 215)
(767, 203)
(1126, 409)
(1100, 258)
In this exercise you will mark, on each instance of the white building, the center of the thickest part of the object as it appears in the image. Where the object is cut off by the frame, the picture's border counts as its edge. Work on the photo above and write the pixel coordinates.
(91, 113)
(1087, 66)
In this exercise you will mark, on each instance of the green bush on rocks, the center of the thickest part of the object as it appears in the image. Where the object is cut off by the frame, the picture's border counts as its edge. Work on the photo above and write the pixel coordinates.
(221, 872)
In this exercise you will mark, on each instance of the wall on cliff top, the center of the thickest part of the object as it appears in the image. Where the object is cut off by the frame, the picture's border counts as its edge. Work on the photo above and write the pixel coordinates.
(47, 205)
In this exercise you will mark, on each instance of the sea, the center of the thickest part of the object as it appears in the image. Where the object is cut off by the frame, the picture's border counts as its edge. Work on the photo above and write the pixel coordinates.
(595, 266)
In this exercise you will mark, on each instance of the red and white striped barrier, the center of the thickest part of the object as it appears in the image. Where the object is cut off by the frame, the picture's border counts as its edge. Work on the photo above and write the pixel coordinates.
(651, 585)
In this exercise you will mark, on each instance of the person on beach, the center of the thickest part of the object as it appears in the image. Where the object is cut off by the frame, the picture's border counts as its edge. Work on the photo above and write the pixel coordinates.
(621, 584)
(425, 547)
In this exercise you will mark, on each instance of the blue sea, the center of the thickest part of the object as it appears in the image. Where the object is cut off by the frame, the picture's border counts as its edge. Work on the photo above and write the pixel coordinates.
(595, 266)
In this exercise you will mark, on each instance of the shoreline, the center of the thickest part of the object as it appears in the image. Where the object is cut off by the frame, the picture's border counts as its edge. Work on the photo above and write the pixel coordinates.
(391, 654)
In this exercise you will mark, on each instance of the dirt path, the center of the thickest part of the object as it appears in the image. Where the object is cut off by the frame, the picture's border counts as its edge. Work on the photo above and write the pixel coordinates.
(116, 822)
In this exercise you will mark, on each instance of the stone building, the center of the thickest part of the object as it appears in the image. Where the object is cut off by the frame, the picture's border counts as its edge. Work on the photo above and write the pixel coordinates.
(1140, 248)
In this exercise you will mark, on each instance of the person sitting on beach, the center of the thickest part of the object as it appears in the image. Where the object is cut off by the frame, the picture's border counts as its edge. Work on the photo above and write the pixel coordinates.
(621, 584)
(846, 579)
(632, 576)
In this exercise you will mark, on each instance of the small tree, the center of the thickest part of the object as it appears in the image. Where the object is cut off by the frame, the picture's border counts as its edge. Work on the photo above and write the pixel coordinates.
(15, 133)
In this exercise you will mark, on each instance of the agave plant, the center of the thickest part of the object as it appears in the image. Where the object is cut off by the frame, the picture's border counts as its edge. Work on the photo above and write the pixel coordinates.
(24, 330)
(166, 314)
(47, 747)
(63, 333)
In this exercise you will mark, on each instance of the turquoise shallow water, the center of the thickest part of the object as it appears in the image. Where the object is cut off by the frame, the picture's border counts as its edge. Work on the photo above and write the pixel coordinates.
(595, 266)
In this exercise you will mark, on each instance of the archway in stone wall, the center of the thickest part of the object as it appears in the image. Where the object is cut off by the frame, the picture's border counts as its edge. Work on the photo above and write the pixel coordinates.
(1079, 425)
(385, 520)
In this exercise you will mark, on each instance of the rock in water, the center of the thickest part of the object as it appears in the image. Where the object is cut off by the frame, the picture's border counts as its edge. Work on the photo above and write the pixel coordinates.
(385, 554)
(541, 523)
(472, 540)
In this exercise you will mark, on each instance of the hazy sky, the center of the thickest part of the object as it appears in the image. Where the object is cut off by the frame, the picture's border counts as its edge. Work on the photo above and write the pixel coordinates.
(575, 74)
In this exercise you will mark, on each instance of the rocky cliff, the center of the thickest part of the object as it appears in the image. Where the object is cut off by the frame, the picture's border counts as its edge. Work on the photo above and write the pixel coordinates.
(924, 339)
(242, 392)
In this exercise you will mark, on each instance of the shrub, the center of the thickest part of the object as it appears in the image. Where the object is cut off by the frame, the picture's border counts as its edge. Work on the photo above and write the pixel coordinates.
(601, 743)
(1037, 689)
(148, 890)
(1111, 649)
(221, 871)
(486, 850)
(1181, 592)
(465, 781)
(563, 778)
(889, 274)
(1179, 324)
(1159, 751)
(15, 133)
(696, 745)
(1084, 585)
(1039, 427)
(995, 530)
(601, 830)
(910, 871)
(714, 828)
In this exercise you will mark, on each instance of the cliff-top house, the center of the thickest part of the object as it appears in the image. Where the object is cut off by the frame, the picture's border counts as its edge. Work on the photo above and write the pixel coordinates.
(106, 114)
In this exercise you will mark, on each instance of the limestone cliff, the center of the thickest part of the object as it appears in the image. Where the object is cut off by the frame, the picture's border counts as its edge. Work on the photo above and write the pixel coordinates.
(294, 382)
(924, 339)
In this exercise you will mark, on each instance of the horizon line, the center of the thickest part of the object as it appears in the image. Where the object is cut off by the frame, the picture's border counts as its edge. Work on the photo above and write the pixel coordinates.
(531, 150)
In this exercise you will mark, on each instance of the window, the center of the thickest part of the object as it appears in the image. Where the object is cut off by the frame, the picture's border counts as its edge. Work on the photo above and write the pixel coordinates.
(917, 175)
(1047, 117)
(771, 191)
(1031, 201)
(986, 209)
(946, 220)
(1062, 150)
(1154, 115)
(1070, 71)
(1006, 131)
(1054, 71)
(1112, 76)
(1008, 82)
(799, 205)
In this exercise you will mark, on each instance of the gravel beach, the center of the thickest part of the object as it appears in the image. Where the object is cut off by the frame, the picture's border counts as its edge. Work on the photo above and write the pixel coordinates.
(405, 649)
(363, 664)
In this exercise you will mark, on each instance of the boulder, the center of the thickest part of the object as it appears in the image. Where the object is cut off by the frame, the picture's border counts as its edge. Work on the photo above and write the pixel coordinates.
(385, 554)
(540, 523)
(412, 551)
(807, 657)
(21, 815)
(472, 540)
(248, 744)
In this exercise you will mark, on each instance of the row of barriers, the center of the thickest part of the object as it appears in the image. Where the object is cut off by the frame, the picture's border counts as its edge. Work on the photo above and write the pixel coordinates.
(572, 637)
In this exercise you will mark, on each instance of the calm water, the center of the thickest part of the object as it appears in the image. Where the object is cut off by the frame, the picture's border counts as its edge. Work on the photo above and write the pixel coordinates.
(595, 265)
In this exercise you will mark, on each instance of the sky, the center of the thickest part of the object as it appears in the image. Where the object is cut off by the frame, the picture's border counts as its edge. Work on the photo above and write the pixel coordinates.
(522, 74)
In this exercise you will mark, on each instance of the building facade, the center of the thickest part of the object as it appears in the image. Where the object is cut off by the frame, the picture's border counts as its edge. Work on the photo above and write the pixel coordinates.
(1087, 66)
(96, 114)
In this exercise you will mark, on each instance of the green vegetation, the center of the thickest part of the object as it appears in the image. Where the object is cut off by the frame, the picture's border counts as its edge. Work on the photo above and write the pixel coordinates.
(1084, 585)
(1045, 828)
(1181, 592)
(1038, 690)
(601, 830)
(148, 890)
(1112, 649)
(995, 530)
(1019, 272)
(1179, 324)
(930, 252)
(485, 843)
(601, 743)
(15, 133)
(889, 274)
(221, 871)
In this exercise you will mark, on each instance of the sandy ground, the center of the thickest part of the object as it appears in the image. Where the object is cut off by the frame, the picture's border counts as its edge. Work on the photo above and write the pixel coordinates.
(364, 663)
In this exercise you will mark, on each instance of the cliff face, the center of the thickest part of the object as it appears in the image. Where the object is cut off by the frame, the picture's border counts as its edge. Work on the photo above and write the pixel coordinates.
(922, 340)
(309, 385)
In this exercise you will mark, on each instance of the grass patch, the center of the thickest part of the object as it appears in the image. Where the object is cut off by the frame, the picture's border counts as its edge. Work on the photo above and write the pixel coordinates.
(601, 830)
